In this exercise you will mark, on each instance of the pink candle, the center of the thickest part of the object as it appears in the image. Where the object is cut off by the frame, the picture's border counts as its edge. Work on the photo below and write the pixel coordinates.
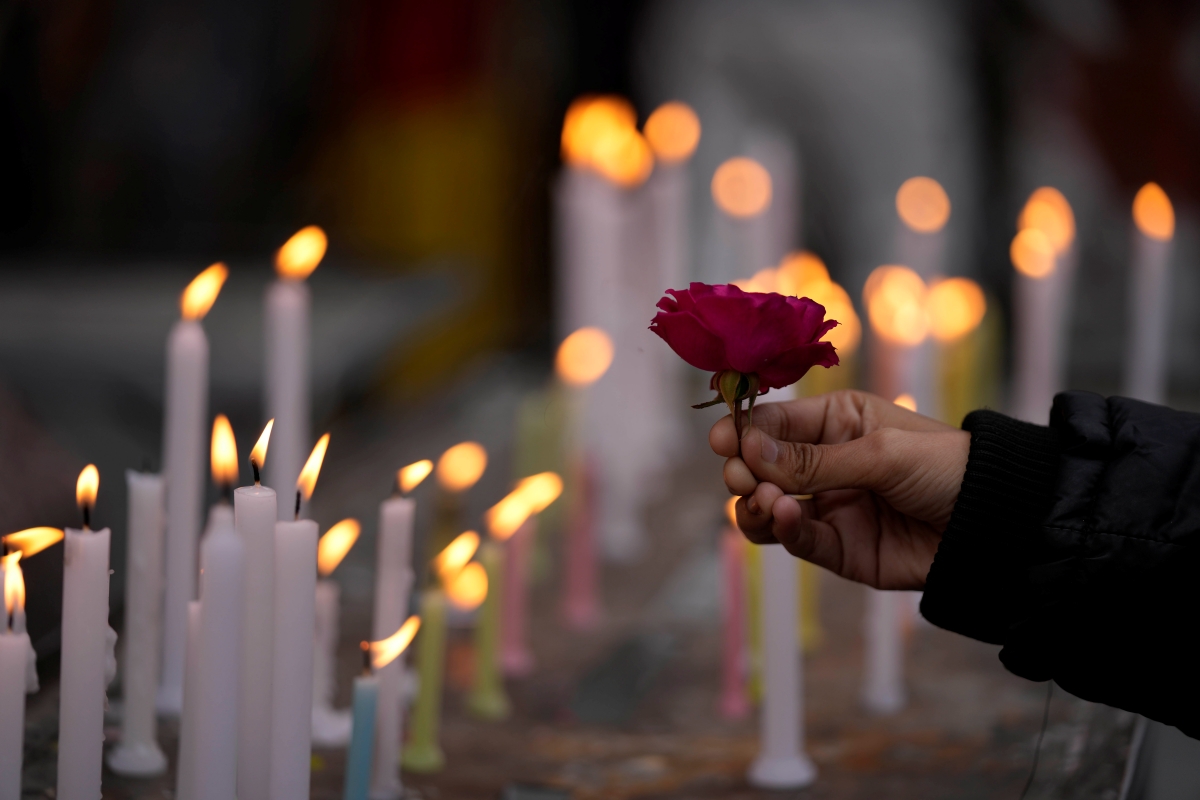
(733, 703)
(580, 601)
(515, 657)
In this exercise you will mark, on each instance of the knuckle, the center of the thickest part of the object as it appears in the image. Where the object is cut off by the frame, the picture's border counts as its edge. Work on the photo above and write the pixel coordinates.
(802, 461)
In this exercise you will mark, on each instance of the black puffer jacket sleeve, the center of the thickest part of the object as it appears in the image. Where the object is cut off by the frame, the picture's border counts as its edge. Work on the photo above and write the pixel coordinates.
(1077, 548)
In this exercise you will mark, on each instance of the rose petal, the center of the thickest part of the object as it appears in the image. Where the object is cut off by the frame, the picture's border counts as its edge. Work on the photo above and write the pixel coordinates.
(791, 366)
(690, 340)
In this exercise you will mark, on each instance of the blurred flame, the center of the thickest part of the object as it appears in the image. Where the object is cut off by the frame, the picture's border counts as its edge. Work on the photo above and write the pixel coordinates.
(1153, 213)
(333, 546)
(455, 556)
(259, 454)
(906, 401)
(87, 486)
(588, 120)
(202, 292)
(307, 481)
(385, 651)
(410, 477)
(32, 541)
(731, 510)
(14, 584)
(224, 452)
(673, 131)
(956, 307)
(1032, 253)
(923, 204)
(531, 496)
(741, 187)
(764, 281)
(1049, 212)
(623, 156)
(804, 275)
(461, 466)
(468, 589)
(301, 254)
(895, 299)
(584, 357)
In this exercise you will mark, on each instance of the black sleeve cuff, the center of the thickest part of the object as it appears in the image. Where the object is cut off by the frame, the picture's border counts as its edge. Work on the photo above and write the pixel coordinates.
(973, 587)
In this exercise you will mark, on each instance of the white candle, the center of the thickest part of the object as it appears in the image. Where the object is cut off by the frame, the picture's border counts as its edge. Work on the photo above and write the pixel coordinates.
(138, 753)
(183, 468)
(781, 762)
(330, 727)
(13, 647)
(883, 672)
(1146, 364)
(185, 771)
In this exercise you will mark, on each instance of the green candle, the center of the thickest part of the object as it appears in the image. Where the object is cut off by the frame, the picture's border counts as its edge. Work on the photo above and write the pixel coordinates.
(488, 699)
(422, 753)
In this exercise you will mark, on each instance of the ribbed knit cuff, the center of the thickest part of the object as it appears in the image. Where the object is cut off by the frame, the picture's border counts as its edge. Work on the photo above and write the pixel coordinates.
(973, 587)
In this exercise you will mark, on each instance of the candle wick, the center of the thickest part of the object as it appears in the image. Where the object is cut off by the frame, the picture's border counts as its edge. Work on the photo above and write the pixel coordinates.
(297, 504)
(254, 466)
(366, 658)
(226, 493)
(87, 517)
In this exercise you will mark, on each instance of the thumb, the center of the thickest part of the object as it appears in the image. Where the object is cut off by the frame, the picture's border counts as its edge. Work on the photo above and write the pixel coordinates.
(874, 462)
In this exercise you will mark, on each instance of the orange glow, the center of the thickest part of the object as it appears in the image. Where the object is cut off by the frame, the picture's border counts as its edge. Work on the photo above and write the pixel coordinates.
(455, 556)
(33, 540)
(804, 275)
(673, 131)
(334, 545)
(584, 357)
(589, 119)
(764, 281)
(461, 466)
(1032, 253)
(301, 254)
(731, 511)
(531, 496)
(956, 307)
(623, 156)
(468, 589)
(741, 187)
(923, 204)
(895, 299)
(906, 401)
(87, 486)
(202, 292)
(1049, 212)
(259, 454)
(1153, 213)
(307, 481)
(224, 452)
(410, 477)
(14, 584)
(385, 651)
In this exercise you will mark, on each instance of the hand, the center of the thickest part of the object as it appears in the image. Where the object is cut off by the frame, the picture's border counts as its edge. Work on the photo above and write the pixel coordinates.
(884, 481)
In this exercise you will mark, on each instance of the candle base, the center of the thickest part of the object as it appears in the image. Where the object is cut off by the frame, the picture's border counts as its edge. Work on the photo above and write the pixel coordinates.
(169, 702)
(782, 772)
(489, 704)
(137, 760)
(330, 728)
(423, 758)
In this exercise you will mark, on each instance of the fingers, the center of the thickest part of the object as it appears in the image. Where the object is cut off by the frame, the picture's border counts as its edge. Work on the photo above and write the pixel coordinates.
(803, 468)
(738, 477)
(755, 524)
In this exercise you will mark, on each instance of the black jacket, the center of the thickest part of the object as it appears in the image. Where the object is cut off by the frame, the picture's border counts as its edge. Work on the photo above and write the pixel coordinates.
(1077, 548)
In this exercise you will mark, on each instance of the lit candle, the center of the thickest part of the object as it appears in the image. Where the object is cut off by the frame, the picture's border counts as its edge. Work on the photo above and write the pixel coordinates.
(138, 753)
(183, 468)
(781, 762)
(29, 542)
(488, 699)
(185, 771)
(376, 656)
(330, 727)
(295, 620)
(1146, 357)
(458, 469)
(733, 703)
(255, 512)
(14, 647)
(287, 333)
(393, 583)
(84, 625)
(956, 307)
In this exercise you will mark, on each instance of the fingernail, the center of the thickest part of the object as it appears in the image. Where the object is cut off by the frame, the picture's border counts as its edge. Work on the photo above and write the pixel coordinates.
(752, 505)
(767, 448)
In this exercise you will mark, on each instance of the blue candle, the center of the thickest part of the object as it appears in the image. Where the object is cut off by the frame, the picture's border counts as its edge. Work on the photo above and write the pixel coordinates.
(362, 737)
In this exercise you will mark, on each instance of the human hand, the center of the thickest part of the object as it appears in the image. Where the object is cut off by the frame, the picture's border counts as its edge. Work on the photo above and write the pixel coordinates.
(883, 479)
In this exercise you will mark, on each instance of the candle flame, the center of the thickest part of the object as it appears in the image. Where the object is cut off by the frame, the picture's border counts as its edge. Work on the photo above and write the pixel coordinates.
(731, 510)
(588, 120)
(1032, 253)
(461, 466)
(468, 589)
(673, 131)
(623, 156)
(455, 556)
(956, 307)
(385, 651)
(258, 455)
(224, 452)
(410, 477)
(14, 584)
(895, 299)
(1049, 212)
(307, 481)
(804, 275)
(584, 357)
(906, 401)
(87, 486)
(202, 292)
(33, 540)
(741, 187)
(531, 496)
(923, 204)
(301, 254)
(1153, 213)
(334, 545)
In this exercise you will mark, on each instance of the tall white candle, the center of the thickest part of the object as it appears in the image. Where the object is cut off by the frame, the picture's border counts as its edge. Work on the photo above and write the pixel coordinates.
(781, 762)
(1146, 364)
(330, 727)
(185, 771)
(14, 647)
(183, 468)
(883, 670)
(138, 753)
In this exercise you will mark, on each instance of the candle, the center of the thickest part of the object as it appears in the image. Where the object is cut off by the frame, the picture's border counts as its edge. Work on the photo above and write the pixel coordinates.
(84, 626)
(185, 771)
(14, 647)
(956, 307)
(883, 678)
(733, 703)
(255, 512)
(781, 762)
(138, 753)
(488, 699)
(183, 465)
(1146, 362)
(376, 655)
(295, 619)
(330, 728)
(286, 333)
(29, 542)
(458, 469)
(393, 582)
